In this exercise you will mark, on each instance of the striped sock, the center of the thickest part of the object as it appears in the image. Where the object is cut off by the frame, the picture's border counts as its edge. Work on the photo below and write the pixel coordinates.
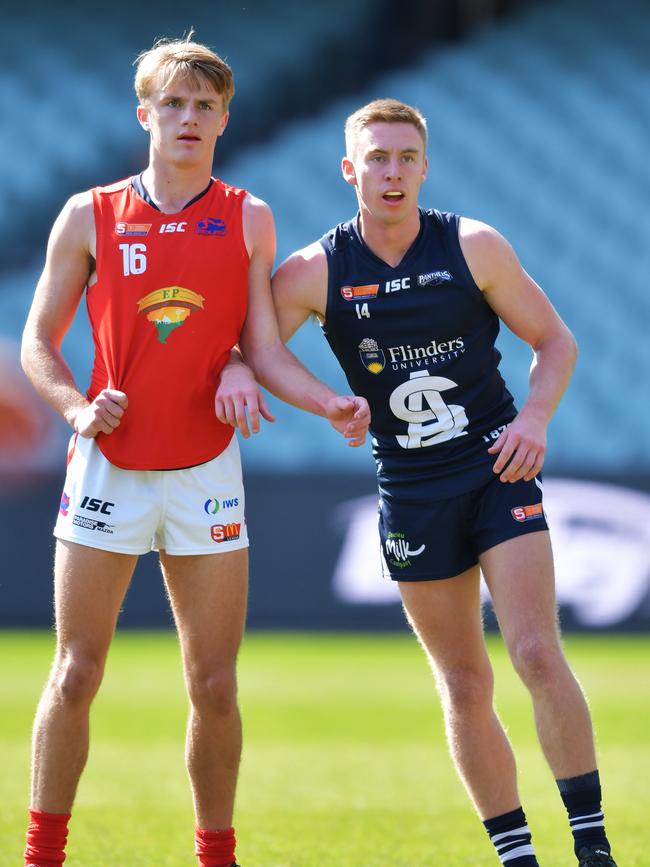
(582, 797)
(511, 838)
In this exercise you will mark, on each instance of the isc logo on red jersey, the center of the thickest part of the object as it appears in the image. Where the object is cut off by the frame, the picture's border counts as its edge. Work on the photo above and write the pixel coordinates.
(225, 532)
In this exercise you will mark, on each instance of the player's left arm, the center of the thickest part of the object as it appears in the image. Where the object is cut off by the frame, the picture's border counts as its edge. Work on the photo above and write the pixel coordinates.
(275, 366)
(517, 299)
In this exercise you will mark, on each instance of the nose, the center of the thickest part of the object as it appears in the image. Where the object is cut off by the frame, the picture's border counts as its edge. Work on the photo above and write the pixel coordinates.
(190, 115)
(393, 170)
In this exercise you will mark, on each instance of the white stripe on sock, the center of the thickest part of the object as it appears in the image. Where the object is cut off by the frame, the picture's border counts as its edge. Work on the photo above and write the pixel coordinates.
(518, 853)
(516, 832)
(582, 825)
(598, 815)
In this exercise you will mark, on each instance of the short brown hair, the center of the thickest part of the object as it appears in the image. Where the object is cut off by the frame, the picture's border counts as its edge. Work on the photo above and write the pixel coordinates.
(169, 58)
(383, 111)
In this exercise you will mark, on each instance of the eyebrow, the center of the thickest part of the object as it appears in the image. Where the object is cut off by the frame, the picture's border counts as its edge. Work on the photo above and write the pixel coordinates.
(403, 151)
(172, 95)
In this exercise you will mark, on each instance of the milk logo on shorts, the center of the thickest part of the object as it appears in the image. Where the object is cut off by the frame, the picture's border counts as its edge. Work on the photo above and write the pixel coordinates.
(168, 308)
(225, 532)
(399, 551)
(64, 505)
(372, 356)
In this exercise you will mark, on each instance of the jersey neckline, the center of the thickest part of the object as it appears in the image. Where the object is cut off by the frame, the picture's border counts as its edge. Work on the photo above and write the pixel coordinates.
(143, 193)
(356, 235)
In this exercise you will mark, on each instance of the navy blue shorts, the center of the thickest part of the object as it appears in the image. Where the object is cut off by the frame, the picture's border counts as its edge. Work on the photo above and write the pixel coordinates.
(423, 540)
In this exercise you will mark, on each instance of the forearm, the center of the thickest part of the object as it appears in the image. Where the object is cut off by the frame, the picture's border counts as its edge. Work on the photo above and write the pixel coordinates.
(550, 373)
(278, 370)
(51, 377)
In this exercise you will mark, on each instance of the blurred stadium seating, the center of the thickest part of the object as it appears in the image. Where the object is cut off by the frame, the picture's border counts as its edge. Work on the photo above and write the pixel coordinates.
(539, 124)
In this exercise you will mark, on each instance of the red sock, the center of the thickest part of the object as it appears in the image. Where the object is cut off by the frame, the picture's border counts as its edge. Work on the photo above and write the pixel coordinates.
(215, 848)
(47, 834)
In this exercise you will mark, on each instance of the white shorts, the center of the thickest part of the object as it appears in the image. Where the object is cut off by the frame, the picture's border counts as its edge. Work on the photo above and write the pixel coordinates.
(199, 510)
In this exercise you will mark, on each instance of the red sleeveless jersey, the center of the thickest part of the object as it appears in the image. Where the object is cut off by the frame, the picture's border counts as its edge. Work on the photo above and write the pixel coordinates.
(168, 305)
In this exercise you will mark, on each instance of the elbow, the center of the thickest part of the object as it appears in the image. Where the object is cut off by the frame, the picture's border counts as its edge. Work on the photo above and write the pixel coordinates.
(26, 351)
(572, 348)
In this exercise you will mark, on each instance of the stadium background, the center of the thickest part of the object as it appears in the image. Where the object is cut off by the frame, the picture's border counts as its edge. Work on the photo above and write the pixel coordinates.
(539, 120)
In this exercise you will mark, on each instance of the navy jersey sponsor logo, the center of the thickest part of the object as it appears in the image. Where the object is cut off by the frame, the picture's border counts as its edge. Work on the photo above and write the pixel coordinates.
(360, 293)
(434, 278)
(372, 356)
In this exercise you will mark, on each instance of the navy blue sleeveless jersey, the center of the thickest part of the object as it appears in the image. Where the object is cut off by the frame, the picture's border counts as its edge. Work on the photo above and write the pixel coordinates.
(417, 341)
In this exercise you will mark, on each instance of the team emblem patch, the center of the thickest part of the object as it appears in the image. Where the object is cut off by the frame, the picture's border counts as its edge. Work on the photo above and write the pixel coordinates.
(372, 356)
(168, 308)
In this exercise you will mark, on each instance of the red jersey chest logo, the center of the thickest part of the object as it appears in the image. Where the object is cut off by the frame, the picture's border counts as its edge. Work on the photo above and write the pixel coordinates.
(167, 309)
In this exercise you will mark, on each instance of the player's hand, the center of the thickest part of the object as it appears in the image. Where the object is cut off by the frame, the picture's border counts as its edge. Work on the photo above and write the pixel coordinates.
(103, 415)
(350, 416)
(237, 393)
(521, 449)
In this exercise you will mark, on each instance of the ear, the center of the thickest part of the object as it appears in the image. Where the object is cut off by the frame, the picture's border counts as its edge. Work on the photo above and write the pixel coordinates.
(349, 174)
(224, 123)
(142, 114)
(425, 169)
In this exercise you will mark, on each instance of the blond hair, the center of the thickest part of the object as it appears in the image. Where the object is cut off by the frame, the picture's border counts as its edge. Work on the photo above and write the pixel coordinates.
(172, 58)
(383, 111)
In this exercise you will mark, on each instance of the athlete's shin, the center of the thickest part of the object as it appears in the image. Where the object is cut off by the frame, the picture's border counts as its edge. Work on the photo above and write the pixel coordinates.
(213, 753)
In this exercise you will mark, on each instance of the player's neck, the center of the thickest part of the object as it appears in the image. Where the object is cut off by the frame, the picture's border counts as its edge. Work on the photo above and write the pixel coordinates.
(171, 187)
(389, 241)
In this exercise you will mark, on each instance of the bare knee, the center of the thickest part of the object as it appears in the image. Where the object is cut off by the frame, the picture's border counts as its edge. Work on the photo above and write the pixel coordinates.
(537, 660)
(214, 691)
(75, 679)
(466, 691)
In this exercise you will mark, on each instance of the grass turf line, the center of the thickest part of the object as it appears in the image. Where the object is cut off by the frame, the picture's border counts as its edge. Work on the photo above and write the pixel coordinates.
(344, 759)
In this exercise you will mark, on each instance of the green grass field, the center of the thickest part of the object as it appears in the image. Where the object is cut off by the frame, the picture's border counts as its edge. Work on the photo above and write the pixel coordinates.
(344, 760)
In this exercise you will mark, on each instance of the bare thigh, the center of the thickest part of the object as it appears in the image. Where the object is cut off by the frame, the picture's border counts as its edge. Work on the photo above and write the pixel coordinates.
(208, 595)
(89, 588)
(446, 616)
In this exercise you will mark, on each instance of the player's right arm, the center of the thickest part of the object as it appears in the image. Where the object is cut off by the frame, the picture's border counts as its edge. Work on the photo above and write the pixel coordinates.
(299, 288)
(68, 266)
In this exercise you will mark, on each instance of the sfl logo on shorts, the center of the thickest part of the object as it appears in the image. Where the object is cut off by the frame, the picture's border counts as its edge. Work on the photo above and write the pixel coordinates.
(527, 513)
(225, 532)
